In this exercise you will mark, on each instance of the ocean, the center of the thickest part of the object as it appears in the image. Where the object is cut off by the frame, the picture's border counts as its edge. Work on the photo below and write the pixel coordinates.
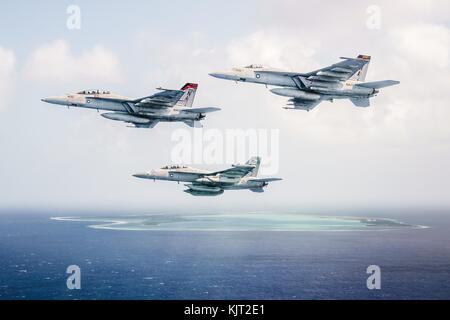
(225, 256)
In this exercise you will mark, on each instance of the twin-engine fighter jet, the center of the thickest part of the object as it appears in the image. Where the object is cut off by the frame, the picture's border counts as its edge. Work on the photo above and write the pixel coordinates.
(342, 80)
(164, 106)
(206, 183)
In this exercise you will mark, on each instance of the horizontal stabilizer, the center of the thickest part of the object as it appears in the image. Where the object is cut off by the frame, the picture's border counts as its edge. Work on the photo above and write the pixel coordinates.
(193, 123)
(264, 179)
(378, 84)
(360, 102)
(201, 110)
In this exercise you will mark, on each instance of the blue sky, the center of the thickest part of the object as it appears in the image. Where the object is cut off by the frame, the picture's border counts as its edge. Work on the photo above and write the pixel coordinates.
(394, 154)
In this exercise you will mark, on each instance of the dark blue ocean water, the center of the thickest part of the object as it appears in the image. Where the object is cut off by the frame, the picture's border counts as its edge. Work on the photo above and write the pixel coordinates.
(35, 252)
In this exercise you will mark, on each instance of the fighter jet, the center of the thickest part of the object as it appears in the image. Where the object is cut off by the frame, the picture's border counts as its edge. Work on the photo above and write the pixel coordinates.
(206, 183)
(164, 106)
(342, 80)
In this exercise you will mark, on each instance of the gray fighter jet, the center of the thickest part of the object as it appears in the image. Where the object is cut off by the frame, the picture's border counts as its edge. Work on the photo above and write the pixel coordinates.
(206, 183)
(165, 106)
(342, 80)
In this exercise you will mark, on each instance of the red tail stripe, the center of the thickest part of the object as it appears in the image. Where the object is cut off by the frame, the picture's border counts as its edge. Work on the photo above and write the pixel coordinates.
(190, 86)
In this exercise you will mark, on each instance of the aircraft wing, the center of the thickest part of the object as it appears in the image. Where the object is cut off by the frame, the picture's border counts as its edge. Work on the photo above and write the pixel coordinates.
(340, 71)
(331, 75)
(264, 179)
(378, 84)
(236, 171)
(164, 99)
(200, 110)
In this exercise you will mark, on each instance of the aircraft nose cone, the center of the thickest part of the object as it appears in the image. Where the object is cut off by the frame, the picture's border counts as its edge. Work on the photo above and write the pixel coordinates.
(140, 175)
(49, 99)
(55, 100)
(226, 75)
(220, 75)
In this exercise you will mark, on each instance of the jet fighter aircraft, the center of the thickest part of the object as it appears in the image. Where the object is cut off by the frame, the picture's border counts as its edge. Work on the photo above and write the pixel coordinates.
(164, 106)
(342, 80)
(206, 183)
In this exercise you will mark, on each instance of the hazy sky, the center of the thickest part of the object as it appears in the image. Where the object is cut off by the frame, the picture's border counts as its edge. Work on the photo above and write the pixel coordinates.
(394, 154)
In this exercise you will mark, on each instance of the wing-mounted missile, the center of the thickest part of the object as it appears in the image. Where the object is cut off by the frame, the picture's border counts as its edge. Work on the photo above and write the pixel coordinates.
(301, 104)
(333, 74)
(153, 103)
(342, 70)
(243, 166)
(325, 82)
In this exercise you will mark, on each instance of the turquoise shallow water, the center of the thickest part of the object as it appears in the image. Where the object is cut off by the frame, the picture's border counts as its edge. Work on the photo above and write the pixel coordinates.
(239, 222)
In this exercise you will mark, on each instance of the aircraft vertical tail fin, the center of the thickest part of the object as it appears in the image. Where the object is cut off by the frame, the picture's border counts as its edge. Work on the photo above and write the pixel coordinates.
(254, 161)
(187, 99)
(360, 75)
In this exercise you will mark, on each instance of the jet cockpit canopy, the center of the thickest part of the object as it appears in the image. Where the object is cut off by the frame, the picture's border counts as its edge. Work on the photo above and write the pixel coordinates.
(96, 91)
(255, 66)
(173, 167)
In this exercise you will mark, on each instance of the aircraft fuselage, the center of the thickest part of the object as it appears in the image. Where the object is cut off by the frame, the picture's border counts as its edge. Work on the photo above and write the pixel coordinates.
(201, 177)
(121, 107)
(339, 91)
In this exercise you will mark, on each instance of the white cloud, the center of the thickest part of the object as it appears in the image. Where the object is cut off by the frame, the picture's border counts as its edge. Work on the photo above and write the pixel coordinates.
(169, 63)
(427, 44)
(276, 49)
(56, 62)
(7, 62)
(421, 60)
